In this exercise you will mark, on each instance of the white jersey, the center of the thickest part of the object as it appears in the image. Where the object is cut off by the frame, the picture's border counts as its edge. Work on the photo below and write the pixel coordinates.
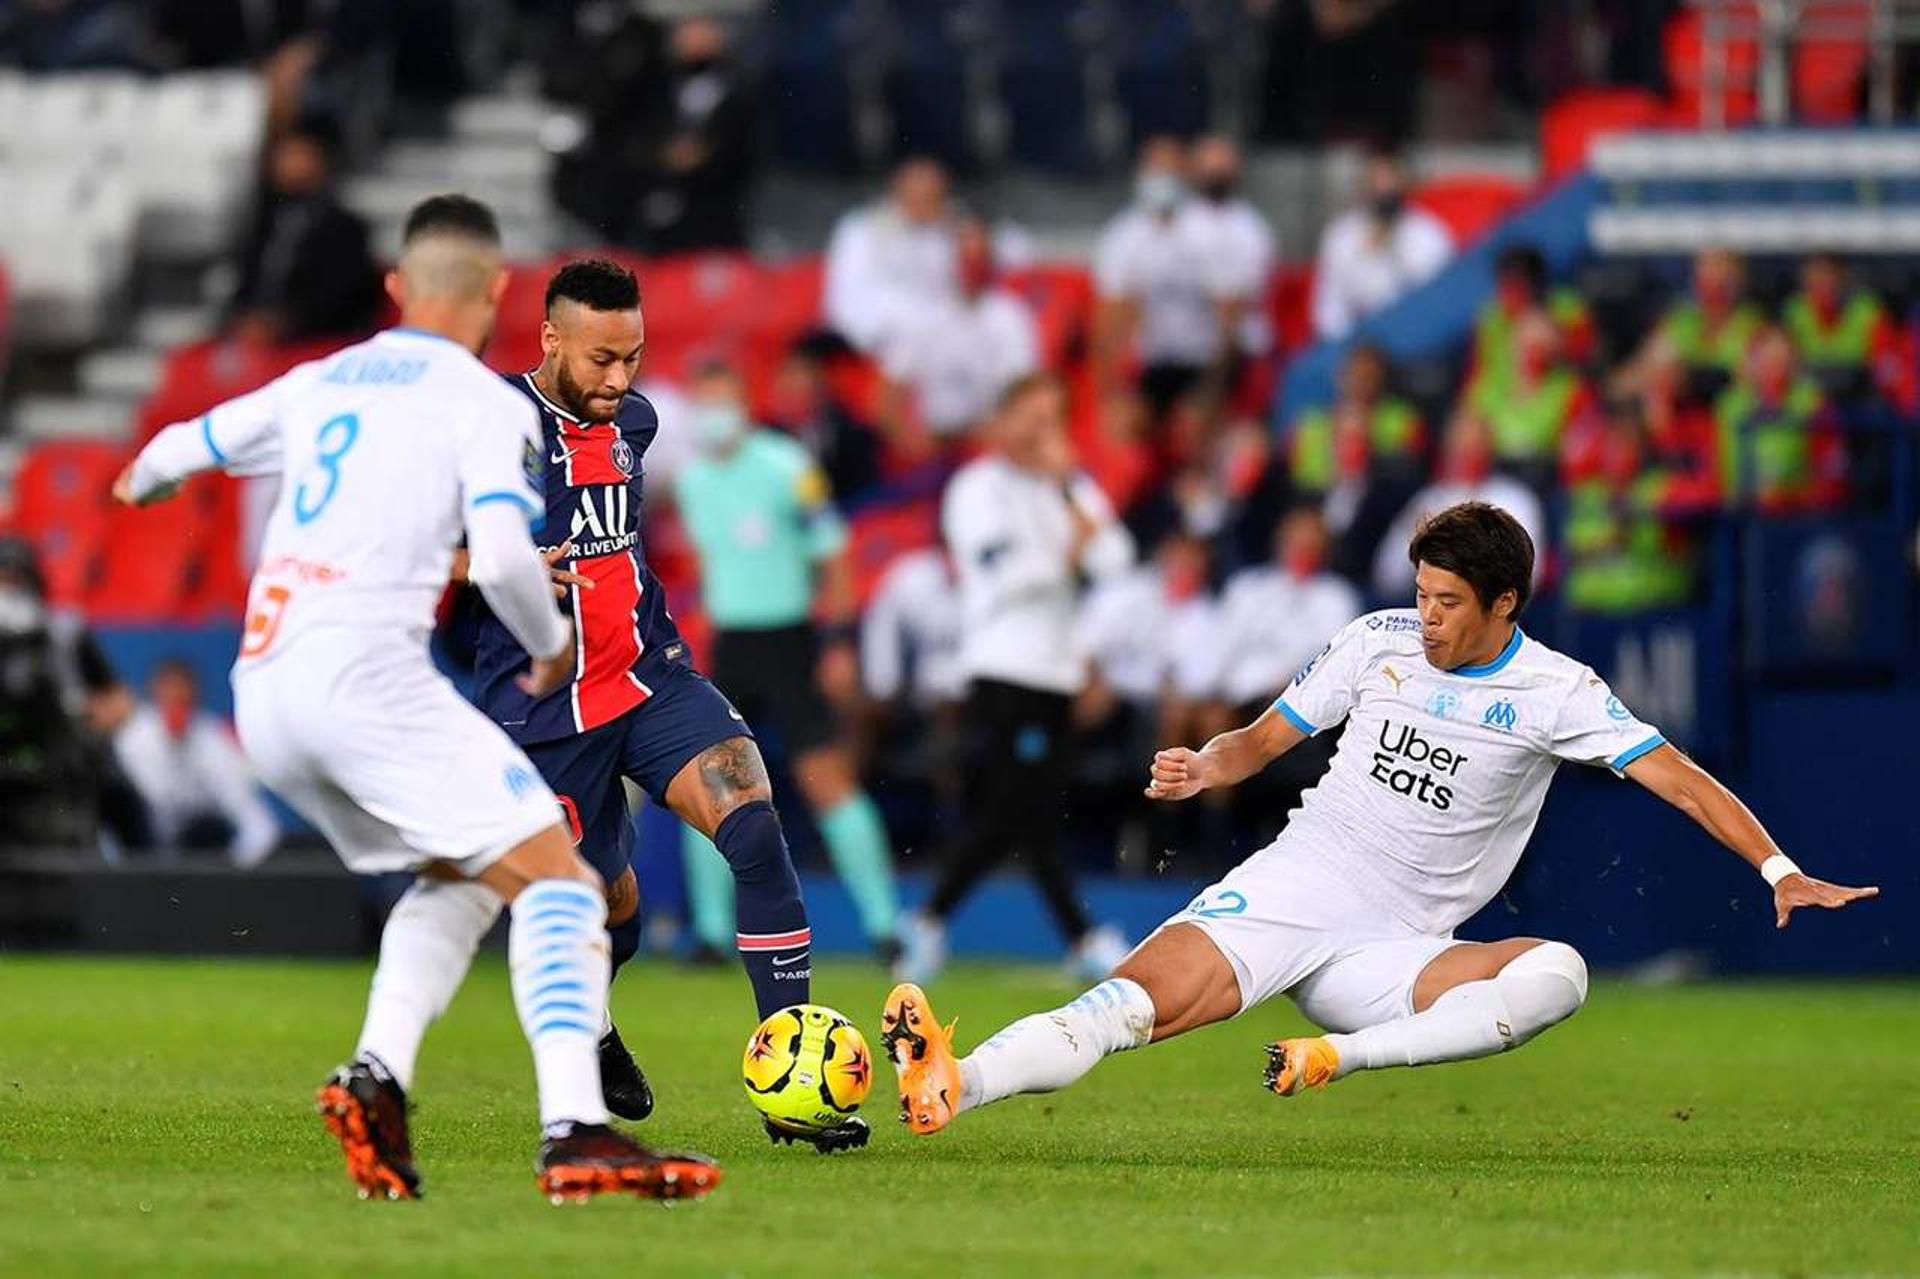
(1439, 778)
(383, 448)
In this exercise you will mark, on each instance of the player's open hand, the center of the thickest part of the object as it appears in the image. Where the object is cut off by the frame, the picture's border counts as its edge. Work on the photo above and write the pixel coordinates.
(1177, 773)
(544, 674)
(1796, 891)
(564, 578)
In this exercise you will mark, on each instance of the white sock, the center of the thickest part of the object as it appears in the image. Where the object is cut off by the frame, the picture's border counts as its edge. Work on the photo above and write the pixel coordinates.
(558, 956)
(1050, 1050)
(425, 951)
(1542, 987)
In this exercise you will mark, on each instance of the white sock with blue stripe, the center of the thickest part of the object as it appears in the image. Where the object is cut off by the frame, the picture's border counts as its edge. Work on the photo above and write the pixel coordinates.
(558, 954)
(1051, 1050)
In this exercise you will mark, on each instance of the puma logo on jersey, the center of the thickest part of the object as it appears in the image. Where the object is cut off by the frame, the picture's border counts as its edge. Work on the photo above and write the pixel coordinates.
(1397, 678)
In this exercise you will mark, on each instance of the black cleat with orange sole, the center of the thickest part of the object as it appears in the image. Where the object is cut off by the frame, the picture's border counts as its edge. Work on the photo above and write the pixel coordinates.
(851, 1133)
(367, 1112)
(592, 1159)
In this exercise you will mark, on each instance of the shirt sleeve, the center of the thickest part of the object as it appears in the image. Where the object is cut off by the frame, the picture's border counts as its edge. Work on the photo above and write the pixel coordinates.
(503, 462)
(1109, 551)
(1323, 690)
(1594, 727)
(240, 437)
(988, 551)
(826, 531)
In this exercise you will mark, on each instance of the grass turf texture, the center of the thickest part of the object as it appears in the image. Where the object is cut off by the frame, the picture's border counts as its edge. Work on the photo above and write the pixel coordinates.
(155, 1119)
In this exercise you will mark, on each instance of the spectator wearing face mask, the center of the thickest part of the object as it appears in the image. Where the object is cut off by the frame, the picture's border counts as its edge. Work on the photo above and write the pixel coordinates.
(889, 261)
(1774, 446)
(1243, 240)
(948, 363)
(306, 270)
(1466, 475)
(1169, 290)
(1521, 285)
(1543, 400)
(1373, 255)
(1843, 334)
(695, 183)
(197, 785)
(778, 587)
(1623, 554)
(1273, 616)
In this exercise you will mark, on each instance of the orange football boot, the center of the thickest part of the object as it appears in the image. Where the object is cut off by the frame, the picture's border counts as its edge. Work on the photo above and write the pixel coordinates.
(922, 1055)
(1295, 1065)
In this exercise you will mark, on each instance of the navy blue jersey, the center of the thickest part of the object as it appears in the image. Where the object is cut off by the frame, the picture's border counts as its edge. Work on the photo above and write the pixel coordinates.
(622, 630)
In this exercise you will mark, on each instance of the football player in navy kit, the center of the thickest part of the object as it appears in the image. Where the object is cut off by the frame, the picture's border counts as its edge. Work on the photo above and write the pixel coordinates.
(635, 707)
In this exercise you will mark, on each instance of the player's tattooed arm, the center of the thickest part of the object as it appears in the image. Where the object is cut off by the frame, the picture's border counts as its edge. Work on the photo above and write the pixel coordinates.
(1227, 760)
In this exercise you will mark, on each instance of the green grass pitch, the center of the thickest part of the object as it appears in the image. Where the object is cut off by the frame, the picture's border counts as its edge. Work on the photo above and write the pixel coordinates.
(155, 1119)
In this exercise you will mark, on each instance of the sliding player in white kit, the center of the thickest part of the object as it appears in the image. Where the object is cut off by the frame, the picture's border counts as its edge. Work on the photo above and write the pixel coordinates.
(1455, 721)
(389, 452)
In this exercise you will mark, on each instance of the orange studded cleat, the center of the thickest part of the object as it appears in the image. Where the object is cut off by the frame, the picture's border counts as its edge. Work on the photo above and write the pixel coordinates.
(366, 1111)
(1295, 1065)
(585, 1160)
(922, 1054)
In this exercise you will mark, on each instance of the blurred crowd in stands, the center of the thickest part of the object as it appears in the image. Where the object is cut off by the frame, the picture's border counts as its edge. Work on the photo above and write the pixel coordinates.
(1615, 434)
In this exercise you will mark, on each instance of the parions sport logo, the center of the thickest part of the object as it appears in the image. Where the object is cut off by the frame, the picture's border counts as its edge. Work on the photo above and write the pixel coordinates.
(1408, 763)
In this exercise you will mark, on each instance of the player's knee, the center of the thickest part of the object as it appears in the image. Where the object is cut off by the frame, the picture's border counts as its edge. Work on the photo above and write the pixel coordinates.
(1544, 986)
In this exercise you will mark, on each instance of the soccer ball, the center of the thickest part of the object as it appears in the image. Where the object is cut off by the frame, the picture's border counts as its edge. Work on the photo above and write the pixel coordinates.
(807, 1068)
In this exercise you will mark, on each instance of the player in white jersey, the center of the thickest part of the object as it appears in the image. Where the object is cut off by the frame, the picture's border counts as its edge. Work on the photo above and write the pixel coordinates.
(389, 453)
(1456, 720)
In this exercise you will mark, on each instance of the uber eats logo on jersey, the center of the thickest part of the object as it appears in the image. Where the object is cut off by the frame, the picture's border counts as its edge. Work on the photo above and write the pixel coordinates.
(1408, 764)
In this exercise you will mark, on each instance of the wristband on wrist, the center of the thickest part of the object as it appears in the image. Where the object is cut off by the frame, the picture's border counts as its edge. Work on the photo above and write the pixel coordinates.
(1777, 868)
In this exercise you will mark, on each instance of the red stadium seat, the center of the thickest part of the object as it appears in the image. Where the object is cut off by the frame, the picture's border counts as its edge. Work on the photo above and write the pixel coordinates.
(883, 534)
(790, 297)
(1682, 44)
(1574, 123)
(147, 563)
(65, 482)
(1470, 206)
(1827, 73)
(700, 297)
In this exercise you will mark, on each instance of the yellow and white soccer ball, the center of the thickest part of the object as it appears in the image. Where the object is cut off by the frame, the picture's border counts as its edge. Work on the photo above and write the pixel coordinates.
(807, 1068)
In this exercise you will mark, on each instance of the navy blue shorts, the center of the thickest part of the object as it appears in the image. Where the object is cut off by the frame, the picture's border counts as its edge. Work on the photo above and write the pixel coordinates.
(649, 744)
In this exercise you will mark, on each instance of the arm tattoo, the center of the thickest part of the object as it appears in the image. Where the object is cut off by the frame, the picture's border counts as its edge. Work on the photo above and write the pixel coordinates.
(733, 773)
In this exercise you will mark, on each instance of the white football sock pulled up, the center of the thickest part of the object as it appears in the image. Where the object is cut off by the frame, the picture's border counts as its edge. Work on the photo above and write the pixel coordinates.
(1050, 1050)
(425, 951)
(1540, 988)
(558, 957)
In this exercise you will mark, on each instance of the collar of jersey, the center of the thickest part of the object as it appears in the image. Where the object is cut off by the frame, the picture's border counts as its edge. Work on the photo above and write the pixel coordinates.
(1497, 664)
(566, 418)
(408, 331)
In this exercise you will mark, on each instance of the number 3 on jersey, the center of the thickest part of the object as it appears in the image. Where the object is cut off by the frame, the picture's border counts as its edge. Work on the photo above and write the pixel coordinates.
(336, 436)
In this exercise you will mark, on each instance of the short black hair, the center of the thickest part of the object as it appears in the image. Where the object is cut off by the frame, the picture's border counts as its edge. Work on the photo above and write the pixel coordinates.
(1481, 543)
(599, 284)
(1524, 260)
(456, 214)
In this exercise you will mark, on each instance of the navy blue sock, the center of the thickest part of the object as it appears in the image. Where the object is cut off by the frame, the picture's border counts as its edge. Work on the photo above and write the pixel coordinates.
(625, 940)
(776, 946)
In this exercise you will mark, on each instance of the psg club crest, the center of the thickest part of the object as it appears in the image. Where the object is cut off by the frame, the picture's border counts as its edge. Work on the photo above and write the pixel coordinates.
(623, 457)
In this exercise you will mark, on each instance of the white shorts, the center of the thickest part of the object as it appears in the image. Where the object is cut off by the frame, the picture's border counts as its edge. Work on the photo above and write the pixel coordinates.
(1289, 924)
(366, 740)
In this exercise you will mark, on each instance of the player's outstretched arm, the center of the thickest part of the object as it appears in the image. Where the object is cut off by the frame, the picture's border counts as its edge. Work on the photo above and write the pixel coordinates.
(1690, 788)
(240, 437)
(1227, 760)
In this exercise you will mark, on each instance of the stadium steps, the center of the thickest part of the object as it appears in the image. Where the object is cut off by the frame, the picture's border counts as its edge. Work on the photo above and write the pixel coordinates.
(69, 417)
(126, 374)
(166, 328)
